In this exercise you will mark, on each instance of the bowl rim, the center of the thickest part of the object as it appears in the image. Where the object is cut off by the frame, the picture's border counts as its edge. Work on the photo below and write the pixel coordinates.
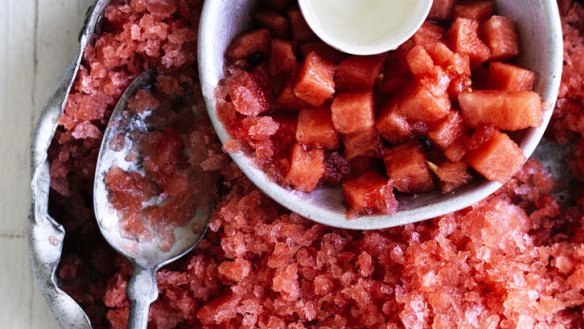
(296, 201)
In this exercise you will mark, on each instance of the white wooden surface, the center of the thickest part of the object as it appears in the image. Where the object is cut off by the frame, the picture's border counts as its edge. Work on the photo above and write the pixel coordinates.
(37, 40)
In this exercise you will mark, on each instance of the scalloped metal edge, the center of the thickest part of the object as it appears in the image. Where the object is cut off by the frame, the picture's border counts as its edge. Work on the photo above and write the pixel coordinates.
(46, 235)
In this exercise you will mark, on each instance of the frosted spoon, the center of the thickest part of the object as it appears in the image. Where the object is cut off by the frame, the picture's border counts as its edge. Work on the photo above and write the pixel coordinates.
(146, 257)
(365, 27)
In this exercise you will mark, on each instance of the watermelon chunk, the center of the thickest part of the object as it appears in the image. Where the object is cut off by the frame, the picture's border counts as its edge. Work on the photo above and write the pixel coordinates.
(428, 34)
(286, 134)
(287, 100)
(504, 110)
(315, 82)
(368, 194)
(282, 59)
(509, 77)
(300, 29)
(315, 129)
(464, 39)
(359, 72)
(396, 74)
(480, 136)
(442, 10)
(501, 36)
(258, 41)
(498, 159)
(406, 166)
(276, 24)
(459, 84)
(444, 132)
(323, 50)
(452, 175)
(457, 150)
(419, 103)
(419, 61)
(448, 60)
(364, 143)
(306, 168)
(480, 11)
(353, 112)
(394, 127)
(250, 93)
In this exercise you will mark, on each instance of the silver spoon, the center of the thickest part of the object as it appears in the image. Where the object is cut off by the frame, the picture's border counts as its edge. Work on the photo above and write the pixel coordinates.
(146, 257)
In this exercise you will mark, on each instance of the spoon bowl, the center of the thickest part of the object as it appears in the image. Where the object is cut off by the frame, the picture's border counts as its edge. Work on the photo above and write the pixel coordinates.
(145, 256)
(541, 34)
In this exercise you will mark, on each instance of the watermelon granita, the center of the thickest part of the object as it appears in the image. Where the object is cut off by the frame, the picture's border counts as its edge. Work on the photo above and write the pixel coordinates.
(514, 260)
(164, 184)
(416, 108)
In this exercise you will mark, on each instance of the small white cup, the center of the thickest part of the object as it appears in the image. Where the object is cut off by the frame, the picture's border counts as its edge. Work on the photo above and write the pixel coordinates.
(365, 27)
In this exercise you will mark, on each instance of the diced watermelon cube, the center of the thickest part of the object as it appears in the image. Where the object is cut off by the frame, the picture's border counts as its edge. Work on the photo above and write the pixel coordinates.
(480, 136)
(459, 84)
(258, 41)
(509, 77)
(287, 100)
(359, 72)
(315, 129)
(364, 143)
(278, 5)
(370, 193)
(501, 36)
(419, 103)
(282, 59)
(300, 29)
(323, 50)
(442, 10)
(428, 34)
(419, 61)
(315, 82)
(306, 168)
(406, 166)
(504, 110)
(498, 159)
(394, 127)
(457, 150)
(452, 175)
(480, 11)
(286, 134)
(353, 112)
(448, 60)
(276, 24)
(444, 132)
(360, 165)
(396, 74)
(250, 93)
(464, 38)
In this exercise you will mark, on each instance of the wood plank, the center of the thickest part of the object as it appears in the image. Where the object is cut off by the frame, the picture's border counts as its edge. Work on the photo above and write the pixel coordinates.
(16, 111)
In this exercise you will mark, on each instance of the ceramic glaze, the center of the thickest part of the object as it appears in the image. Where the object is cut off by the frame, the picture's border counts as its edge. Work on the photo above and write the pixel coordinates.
(365, 26)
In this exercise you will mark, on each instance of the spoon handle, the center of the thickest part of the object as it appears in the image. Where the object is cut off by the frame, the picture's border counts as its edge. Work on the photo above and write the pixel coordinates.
(142, 291)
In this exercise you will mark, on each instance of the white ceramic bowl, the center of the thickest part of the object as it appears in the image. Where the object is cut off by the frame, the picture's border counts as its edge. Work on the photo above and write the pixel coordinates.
(541, 34)
(325, 23)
